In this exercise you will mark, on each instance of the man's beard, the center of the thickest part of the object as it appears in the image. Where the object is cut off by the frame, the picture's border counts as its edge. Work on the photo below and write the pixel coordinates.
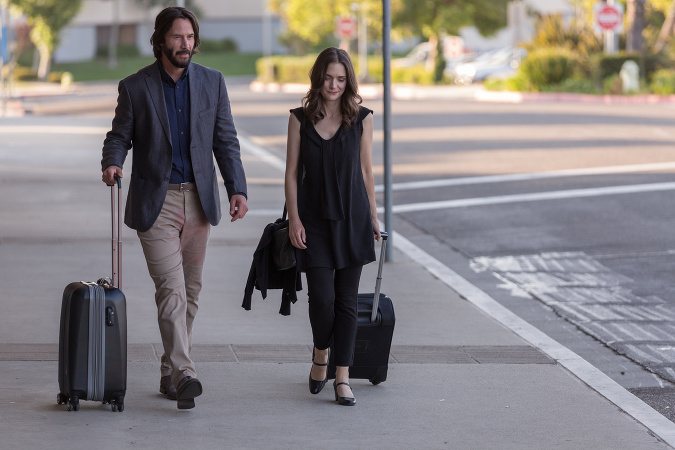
(175, 61)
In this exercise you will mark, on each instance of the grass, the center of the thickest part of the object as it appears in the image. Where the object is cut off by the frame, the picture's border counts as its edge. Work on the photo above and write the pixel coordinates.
(230, 64)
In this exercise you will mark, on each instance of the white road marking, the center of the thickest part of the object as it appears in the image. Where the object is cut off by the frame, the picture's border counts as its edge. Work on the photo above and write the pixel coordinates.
(581, 368)
(528, 176)
(532, 197)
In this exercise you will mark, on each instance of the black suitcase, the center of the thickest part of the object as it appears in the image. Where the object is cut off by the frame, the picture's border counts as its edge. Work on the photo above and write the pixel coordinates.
(93, 334)
(374, 333)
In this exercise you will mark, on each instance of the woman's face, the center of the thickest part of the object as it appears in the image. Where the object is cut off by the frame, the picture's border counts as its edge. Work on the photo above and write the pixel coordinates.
(334, 82)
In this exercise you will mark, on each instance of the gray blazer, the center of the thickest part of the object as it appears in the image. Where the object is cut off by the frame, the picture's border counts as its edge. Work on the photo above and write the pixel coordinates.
(141, 122)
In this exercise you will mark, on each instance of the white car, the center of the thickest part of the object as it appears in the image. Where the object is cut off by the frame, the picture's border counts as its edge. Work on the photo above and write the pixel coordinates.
(502, 62)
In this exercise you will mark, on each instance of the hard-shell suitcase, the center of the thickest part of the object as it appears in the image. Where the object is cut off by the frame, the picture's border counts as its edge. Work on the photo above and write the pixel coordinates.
(374, 333)
(93, 334)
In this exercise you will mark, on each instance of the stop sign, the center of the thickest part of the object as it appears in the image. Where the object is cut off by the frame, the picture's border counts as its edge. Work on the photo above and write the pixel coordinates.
(345, 27)
(609, 17)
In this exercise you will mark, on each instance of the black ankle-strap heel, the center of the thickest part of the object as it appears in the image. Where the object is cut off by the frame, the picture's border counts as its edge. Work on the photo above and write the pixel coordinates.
(316, 386)
(346, 401)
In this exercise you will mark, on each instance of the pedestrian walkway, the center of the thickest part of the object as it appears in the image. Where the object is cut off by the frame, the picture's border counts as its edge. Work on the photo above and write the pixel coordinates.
(463, 374)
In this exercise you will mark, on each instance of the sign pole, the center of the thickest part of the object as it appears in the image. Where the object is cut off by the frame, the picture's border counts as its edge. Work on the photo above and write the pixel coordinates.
(3, 51)
(610, 40)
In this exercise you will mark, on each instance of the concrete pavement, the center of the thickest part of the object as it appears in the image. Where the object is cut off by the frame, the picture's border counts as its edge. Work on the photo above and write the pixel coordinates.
(464, 374)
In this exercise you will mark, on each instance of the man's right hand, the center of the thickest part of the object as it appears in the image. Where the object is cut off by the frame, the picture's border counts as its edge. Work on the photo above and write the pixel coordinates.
(108, 176)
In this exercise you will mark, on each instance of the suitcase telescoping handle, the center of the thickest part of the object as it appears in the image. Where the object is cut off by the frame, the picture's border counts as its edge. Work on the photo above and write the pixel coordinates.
(376, 296)
(116, 233)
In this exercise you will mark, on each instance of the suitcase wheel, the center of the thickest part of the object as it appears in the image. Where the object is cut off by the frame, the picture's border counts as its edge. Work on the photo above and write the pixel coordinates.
(375, 382)
(117, 404)
(61, 399)
(73, 404)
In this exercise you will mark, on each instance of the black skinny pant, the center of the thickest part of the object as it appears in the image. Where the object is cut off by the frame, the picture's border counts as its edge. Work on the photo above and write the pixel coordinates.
(332, 310)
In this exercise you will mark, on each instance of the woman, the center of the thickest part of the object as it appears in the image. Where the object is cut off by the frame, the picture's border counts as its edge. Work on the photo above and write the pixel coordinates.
(330, 197)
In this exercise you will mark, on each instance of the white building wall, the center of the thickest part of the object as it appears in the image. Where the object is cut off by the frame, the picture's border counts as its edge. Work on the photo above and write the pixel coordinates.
(239, 20)
(77, 44)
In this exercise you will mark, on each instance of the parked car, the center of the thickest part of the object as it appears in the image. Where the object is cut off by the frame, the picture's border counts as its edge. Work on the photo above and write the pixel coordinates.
(417, 55)
(453, 52)
(498, 63)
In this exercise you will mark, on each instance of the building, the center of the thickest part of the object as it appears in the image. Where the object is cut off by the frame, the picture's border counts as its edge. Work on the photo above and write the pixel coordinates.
(242, 21)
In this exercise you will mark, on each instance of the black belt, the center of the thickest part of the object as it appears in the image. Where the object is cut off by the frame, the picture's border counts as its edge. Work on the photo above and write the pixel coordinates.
(183, 186)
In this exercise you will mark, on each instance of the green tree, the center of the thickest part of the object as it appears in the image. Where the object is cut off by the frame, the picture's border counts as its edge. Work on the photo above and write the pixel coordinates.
(311, 23)
(431, 18)
(47, 18)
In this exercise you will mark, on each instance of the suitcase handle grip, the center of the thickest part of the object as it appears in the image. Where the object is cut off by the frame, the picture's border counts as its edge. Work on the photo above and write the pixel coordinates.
(376, 295)
(116, 233)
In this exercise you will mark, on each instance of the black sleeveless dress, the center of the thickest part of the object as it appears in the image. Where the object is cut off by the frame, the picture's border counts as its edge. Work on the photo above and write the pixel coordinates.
(332, 198)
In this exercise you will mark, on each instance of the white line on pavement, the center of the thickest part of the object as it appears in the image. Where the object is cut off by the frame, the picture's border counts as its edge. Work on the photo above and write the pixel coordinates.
(581, 368)
(528, 176)
(537, 196)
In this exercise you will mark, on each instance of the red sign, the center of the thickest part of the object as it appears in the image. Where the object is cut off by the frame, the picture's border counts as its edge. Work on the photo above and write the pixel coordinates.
(345, 27)
(609, 17)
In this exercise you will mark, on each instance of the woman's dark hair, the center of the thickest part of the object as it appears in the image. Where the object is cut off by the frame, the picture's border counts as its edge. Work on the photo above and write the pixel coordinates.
(312, 103)
(164, 22)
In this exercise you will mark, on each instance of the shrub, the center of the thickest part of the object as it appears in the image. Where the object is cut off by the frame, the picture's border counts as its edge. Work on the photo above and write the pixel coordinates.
(663, 82)
(603, 66)
(285, 69)
(123, 51)
(517, 83)
(547, 66)
(295, 69)
(64, 78)
(612, 85)
(226, 45)
(22, 73)
(578, 85)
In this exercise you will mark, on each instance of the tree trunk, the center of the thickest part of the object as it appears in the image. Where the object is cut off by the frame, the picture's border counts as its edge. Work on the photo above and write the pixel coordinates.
(45, 62)
(636, 23)
(666, 29)
(431, 56)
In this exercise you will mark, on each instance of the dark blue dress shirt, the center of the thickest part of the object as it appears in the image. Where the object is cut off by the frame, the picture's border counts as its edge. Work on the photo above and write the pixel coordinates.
(177, 99)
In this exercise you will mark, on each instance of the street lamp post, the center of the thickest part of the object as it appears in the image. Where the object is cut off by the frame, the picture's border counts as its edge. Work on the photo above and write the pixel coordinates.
(386, 80)
(3, 50)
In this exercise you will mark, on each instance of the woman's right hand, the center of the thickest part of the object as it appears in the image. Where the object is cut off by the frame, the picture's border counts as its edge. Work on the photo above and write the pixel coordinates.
(297, 233)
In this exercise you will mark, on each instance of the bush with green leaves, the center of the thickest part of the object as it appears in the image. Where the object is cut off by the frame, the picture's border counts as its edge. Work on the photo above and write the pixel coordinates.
(226, 45)
(547, 66)
(663, 82)
(295, 69)
(573, 85)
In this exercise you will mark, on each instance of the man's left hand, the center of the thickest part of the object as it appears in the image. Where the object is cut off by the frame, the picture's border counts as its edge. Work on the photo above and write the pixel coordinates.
(238, 207)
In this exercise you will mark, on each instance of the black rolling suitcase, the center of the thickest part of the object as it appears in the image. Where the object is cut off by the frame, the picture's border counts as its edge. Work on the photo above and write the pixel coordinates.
(374, 333)
(93, 335)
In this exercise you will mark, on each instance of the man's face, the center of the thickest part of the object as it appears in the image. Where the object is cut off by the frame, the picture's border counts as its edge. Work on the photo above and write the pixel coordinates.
(179, 43)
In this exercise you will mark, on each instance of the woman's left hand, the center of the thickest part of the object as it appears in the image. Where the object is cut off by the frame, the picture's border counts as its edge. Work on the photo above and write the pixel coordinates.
(376, 229)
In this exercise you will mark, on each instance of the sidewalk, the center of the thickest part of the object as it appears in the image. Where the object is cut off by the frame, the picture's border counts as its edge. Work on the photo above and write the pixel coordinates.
(457, 379)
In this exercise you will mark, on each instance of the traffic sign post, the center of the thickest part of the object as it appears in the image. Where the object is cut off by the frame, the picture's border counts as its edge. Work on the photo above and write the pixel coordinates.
(345, 30)
(608, 19)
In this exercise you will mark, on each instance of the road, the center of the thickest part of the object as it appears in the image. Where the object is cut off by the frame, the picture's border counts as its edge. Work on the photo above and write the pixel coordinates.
(562, 212)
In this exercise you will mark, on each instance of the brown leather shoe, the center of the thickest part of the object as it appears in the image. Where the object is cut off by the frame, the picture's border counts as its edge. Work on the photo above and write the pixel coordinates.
(188, 388)
(166, 387)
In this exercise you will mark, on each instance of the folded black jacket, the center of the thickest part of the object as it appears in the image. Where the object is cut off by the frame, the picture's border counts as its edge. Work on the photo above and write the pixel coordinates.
(263, 276)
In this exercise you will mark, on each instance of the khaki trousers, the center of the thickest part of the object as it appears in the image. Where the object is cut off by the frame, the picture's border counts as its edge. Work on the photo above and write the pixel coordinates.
(175, 248)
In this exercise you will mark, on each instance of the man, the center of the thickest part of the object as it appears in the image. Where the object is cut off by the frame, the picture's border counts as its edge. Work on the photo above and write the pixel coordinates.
(176, 115)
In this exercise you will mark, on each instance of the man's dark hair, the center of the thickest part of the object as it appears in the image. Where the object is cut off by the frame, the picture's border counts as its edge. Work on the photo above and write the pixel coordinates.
(163, 23)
